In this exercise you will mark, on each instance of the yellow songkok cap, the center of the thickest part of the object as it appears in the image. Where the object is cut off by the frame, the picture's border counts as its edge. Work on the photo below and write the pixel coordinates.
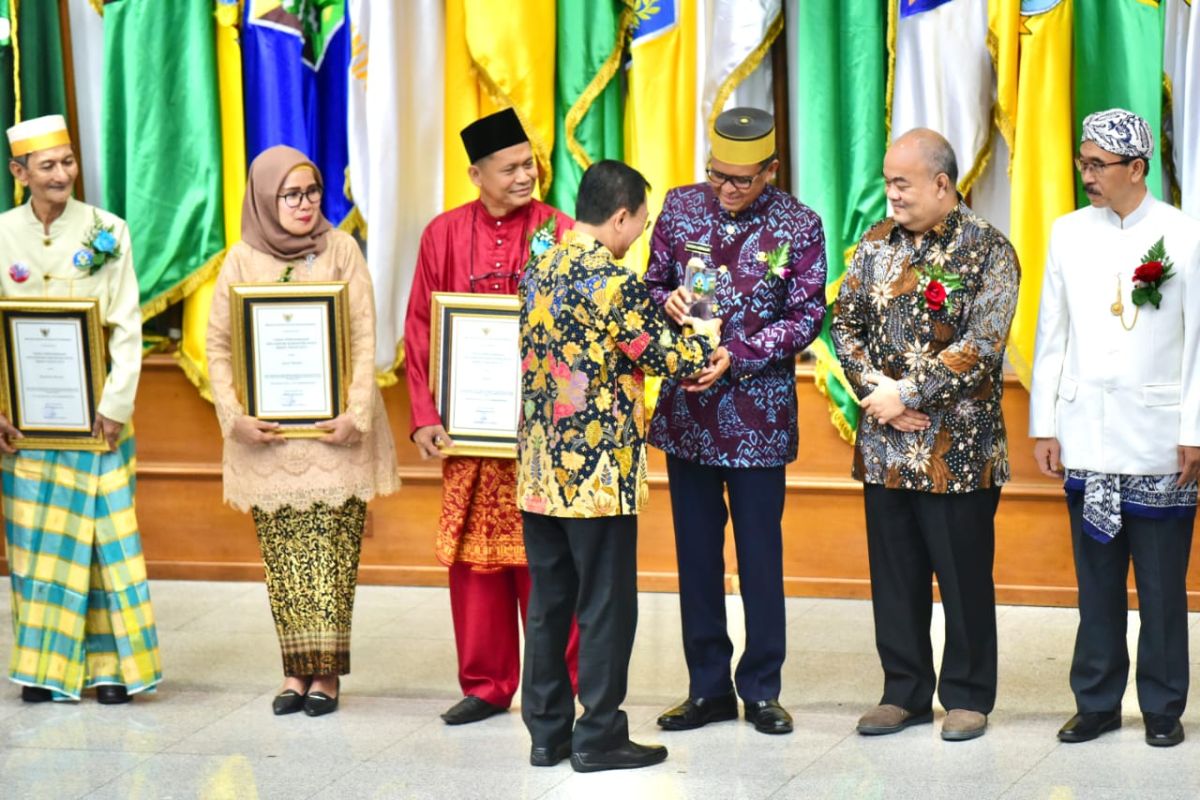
(743, 136)
(41, 133)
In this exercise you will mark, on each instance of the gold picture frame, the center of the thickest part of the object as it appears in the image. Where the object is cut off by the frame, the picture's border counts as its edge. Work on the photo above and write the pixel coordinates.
(290, 344)
(52, 371)
(475, 371)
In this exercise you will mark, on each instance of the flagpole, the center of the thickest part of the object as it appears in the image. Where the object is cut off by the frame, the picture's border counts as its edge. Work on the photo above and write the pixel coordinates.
(781, 90)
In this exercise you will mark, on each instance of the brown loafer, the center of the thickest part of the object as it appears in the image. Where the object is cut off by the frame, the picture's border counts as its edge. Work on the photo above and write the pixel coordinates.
(887, 718)
(961, 725)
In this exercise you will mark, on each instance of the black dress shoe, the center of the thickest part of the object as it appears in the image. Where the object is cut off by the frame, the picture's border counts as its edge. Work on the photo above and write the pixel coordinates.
(470, 709)
(1087, 725)
(36, 694)
(630, 755)
(1162, 730)
(318, 704)
(549, 756)
(288, 701)
(111, 695)
(769, 717)
(696, 712)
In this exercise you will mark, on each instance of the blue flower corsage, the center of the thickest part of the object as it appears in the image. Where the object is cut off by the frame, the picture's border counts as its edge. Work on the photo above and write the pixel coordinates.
(99, 247)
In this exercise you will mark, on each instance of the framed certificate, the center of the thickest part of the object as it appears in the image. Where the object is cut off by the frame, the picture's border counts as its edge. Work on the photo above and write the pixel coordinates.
(52, 371)
(475, 371)
(290, 357)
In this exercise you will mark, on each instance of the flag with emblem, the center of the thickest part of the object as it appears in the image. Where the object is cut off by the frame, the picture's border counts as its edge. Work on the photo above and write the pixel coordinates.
(1033, 46)
(737, 68)
(839, 121)
(957, 102)
(191, 352)
(160, 98)
(295, 55)
(497, 55)
(1119, 64)
(587, 92)
(395, 122)
(1181, 62)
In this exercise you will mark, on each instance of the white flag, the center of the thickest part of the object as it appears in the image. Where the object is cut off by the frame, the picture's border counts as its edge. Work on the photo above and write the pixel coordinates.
(944, 78)
(1181, 62)
(737, 71)
(87, 53)
(395, 132)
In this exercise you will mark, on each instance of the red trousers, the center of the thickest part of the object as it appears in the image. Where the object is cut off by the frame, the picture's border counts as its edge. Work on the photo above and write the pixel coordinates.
(485, 606)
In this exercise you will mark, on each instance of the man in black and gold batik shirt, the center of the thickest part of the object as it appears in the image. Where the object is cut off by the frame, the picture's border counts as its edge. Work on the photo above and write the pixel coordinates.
(919, 326)
(588, 332)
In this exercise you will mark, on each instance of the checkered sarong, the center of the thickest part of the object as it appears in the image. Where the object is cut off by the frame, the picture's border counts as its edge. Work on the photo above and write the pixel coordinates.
(80, 601)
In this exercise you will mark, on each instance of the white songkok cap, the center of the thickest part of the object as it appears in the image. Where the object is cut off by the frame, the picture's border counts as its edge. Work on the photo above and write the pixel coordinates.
(41, 133)
(1120, 132)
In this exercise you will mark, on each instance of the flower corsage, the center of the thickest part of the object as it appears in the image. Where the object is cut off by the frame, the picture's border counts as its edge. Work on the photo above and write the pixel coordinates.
(938, 286)
(540, 241)
(99, 247)
(778, 261)
(1154, 271)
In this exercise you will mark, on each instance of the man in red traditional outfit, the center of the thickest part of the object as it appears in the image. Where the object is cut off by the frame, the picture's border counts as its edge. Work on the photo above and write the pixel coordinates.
(480, 247)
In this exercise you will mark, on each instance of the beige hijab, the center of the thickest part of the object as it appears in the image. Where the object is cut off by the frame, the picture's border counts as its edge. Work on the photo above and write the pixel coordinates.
(261, 228)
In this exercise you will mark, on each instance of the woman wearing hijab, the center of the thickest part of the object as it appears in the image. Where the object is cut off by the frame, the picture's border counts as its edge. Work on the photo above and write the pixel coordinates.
(308, 497)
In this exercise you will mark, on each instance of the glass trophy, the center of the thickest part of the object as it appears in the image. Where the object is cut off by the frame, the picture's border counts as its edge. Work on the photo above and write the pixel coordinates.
(701, 281)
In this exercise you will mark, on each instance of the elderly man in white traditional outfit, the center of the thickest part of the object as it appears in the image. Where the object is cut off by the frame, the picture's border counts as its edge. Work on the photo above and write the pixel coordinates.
(81, 604)
(1115, 409)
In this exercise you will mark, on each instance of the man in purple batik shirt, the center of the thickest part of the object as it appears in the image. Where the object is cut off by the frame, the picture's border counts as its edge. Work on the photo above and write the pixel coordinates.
(733, 427)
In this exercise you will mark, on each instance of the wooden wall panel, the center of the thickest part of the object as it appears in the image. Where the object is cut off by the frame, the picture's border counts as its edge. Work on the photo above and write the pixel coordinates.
(189, 533)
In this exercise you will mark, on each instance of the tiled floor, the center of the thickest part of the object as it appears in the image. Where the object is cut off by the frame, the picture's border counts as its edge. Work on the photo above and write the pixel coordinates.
(209, 731)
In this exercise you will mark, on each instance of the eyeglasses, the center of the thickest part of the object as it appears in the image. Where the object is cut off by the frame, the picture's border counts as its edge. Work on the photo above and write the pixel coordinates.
(292, 199)
(1098, 167)
(495, 278)
(719, 179)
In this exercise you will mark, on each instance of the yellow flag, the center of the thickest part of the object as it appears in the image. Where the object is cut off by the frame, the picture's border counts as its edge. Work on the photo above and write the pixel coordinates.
(1043, 178)
(498, 55)
(660, 108)
(660, 113)
(1004, 27)
(191, 354)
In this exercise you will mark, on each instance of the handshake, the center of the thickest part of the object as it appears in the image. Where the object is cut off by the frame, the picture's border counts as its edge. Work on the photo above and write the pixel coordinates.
(679, 309)
(709, 328)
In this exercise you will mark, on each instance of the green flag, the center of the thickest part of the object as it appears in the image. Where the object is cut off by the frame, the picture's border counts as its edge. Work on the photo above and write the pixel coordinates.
(587, 94)
(39, 43)
(1119, 64)
(161, 147)
(839, 119)
(31, 47)
(7, 101)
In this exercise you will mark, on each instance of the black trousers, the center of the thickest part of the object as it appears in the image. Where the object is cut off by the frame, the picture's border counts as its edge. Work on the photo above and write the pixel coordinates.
(585, 568)
(1100, 668)
(912, 536)
(699, 513)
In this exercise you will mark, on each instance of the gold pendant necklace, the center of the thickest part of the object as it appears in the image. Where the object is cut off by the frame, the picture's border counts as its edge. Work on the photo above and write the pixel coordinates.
(1118, 309)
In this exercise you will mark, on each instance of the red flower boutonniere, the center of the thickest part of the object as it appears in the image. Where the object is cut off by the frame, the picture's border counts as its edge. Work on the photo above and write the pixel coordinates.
(935, 295)
(938, 284)
(1154, 271)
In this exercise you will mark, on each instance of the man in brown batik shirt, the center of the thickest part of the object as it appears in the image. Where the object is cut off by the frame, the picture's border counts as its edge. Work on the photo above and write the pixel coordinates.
(919, 326)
